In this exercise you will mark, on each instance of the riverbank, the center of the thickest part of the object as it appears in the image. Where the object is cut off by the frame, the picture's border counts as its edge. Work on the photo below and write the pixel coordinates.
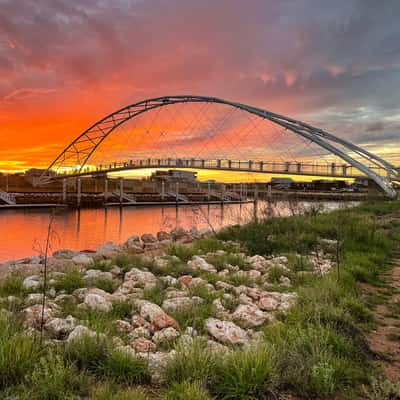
(265, 310)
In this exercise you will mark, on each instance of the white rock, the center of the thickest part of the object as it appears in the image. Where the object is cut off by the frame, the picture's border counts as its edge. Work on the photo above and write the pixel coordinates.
(201, 264)
(180, 303)
(226, 331)
(97, 303)
(166, 335)
(33, 315)
(92, 275)
(108, 250)
(157, 363)
(79, 332)
(82, 259)
(140, 278)
(34, 298)
(249, 316)
(59, 328)
(31, 282)
(268, 303)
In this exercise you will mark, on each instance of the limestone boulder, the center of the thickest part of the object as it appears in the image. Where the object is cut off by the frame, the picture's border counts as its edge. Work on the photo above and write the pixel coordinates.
(82, 259)
(31, 282)
(97, 303)
(165, 336)
(226, 332)
(199, 263)
(59, 328)
(249, 316)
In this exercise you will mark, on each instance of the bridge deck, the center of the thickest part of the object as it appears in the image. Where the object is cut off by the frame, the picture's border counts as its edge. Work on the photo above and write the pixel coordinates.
(287, 168)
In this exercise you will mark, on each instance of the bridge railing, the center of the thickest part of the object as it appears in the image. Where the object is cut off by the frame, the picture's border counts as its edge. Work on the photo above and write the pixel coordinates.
(289, 167)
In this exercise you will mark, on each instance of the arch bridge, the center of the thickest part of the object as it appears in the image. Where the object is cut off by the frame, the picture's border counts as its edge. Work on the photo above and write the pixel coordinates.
(75, 159)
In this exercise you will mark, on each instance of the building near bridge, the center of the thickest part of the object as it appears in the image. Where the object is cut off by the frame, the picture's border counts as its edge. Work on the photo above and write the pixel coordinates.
(173, 175)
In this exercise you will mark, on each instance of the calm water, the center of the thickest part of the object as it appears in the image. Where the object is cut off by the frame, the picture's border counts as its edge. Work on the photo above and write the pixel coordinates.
(23, 233)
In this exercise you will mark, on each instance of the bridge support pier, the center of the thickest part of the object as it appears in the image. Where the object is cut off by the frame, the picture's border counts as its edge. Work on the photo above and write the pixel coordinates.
(64, 191)
(208, 191)
(121, 190)
(255, 208)
(78, 192)
(105, 191)
(223, 193)
(162, 190)
(177, 192)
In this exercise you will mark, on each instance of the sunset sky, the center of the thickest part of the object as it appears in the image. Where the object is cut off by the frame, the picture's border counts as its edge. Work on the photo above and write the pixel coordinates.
(66, 63)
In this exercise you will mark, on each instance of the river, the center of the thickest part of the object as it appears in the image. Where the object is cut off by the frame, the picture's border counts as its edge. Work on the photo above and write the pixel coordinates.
(23, 232)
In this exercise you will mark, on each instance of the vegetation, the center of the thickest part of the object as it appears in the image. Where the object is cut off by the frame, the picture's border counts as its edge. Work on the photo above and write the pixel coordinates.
(317, 350)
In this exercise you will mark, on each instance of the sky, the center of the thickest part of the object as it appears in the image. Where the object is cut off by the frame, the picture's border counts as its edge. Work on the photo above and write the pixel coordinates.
(65, 64)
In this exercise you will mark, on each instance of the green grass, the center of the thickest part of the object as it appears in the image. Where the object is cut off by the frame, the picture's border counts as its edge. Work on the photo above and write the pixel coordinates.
(193, 316)
(155, 294)
(18, 353)
(186, 391)
(123, 368)
(71, 281)
(221, 261)
(245, 374)
(193, 362)
(54, 379)
(12, 286)
(114, 393)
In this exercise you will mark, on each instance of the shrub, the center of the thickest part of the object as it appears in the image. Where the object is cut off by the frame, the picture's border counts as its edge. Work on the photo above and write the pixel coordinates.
(245, 374)
(193, 362)
(53, 379)
(18, 353)
(71, 281)
(186, 391)
(124, 368)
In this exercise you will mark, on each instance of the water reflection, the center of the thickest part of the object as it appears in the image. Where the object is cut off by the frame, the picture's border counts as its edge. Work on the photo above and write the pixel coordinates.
(88, 228)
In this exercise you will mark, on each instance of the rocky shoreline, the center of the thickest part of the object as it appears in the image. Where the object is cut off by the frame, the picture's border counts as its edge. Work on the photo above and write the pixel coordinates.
(178, 285)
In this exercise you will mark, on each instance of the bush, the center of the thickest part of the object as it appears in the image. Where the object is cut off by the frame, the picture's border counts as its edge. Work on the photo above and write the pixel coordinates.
(18, 353)
(186, 391)
(245, 374)
(193, 362)
(53, 379)
(124, 368)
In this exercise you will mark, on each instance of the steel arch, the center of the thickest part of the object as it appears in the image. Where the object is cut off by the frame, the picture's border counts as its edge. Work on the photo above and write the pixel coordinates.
(99, 131)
